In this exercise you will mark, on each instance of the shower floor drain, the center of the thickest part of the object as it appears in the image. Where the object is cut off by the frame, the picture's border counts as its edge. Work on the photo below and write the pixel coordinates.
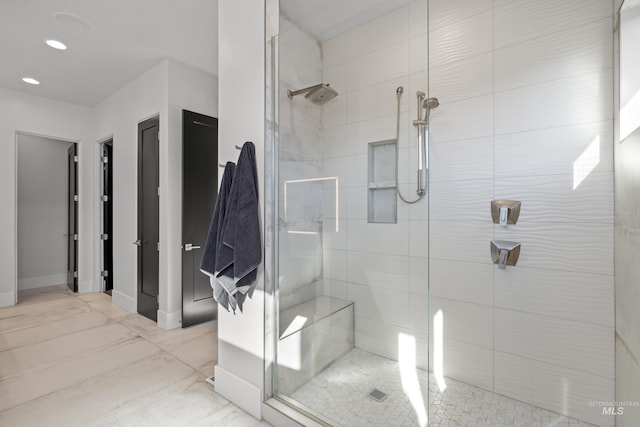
(377, 395)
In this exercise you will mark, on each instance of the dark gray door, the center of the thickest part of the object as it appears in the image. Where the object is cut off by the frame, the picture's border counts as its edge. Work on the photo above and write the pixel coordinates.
(107, 215)
(199, 191)
(148, 218)
(72, 222)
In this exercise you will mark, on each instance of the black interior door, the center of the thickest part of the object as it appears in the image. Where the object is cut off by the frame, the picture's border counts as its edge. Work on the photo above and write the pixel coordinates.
(107, 215)
(72, 222)
(199, 192)
(148, 218)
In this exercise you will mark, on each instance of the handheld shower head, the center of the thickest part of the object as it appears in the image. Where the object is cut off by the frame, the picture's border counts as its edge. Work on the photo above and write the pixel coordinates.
(430, 103)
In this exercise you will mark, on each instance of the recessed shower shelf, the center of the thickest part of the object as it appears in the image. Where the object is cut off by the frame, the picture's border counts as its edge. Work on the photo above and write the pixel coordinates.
(379, 185)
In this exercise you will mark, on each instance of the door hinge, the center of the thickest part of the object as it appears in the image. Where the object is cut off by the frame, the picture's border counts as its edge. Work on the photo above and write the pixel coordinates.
(104, 198)
(75, 236)
(104, 273)
(104, 237)
(75, 197)
(105, 160)
(75, 159)
(158, 246)
(158, 191)
(75, 274)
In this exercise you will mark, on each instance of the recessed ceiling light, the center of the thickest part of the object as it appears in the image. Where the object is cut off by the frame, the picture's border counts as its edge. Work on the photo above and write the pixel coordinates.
(30, 81)
(56, 44)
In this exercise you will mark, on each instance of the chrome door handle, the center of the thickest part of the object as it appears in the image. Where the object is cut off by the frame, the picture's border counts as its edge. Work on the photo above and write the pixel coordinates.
(189, 247)
(137, 243)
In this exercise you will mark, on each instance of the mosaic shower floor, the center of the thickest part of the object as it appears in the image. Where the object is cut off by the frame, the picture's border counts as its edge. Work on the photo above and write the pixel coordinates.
(340, 394)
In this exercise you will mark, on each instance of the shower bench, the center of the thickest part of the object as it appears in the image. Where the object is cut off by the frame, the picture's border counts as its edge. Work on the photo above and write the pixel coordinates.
(313, 335)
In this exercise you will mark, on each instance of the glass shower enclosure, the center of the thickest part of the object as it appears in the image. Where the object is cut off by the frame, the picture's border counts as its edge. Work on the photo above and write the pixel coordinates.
(403, 289)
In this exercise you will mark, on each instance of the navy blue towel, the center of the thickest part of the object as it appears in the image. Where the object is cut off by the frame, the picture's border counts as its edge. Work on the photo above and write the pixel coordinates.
(214, 238)
(240, 252)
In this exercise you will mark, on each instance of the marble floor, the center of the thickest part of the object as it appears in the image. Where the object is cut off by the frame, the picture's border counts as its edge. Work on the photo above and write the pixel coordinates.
(77, 360)
(339, 393)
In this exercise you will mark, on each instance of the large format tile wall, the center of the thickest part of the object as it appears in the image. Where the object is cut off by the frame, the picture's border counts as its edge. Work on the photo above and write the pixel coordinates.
(300, 156)
(381, 267)
(525, 88)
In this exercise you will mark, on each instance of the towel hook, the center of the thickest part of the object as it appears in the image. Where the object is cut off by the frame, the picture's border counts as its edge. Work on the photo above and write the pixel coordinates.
(220, 165)
(238, 147)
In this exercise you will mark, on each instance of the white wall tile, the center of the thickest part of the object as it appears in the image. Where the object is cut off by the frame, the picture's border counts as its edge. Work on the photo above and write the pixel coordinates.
(468, 78)
(444, 13)
(462, 241)
(464, 362)
(381, 32)
(576, 296)
(418, 19)
(375, 101)
(469, 323)
(586, 98)
(518, 21)
(418, 54)
(334, 288)
(460, 39)
(374, 130)
(334, 51)
(378, 271)
(386, 305)
(576, 345)
(419, 238)
(334, 112)
(356, 201)
(333, 201)
(419, 275)
(419, 314)
(553, 198)
(334, 264)
(570, 52)
(554, 150)
(332, 239)
(358, 170)
(338, 78)
(390, 239)
(378, 66)
(461, 200)
(579, 247)
(335, 142)
(552, 387)
(336, 167)
(463, 281)
(466, 119)
(467, 159)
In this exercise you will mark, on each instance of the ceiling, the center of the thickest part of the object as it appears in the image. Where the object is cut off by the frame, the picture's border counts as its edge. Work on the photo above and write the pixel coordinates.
(328, 18)
(111, 43)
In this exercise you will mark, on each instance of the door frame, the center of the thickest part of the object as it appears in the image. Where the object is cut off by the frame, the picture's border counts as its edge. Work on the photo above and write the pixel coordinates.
(79, 147)
(100, 209)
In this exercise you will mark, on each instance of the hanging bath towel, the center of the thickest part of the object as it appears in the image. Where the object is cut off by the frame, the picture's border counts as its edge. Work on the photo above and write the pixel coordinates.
(214, 238)
(240, 251)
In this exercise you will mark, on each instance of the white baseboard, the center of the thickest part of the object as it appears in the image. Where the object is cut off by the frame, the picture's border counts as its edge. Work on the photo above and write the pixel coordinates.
(8, 299)
(42, 281)
(88, 286)
(124, 301)
(240, 392)
(170, 320)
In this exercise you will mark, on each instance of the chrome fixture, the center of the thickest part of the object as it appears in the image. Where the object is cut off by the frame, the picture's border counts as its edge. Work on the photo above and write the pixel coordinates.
(505, 212)
(504, 253)
(319, 94)
(426, 105)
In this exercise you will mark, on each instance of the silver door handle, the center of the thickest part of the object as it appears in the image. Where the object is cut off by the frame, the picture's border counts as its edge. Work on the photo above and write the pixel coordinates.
(189, 246)
(137, 243)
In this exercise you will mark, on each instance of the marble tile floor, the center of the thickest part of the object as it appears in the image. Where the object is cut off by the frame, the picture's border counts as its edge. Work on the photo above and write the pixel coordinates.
(340, 394)
(78, 360)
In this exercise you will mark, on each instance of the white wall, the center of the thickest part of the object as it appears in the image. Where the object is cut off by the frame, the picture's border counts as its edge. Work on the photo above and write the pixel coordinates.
(240, 369)
(118, 117)
(42, 116)
(525, 90)
(627, 226)
(42, 211)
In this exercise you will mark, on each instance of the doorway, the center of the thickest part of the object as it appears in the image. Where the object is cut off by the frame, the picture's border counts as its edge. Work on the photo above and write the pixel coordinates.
(106, 160)
(199, 192)
(46, 212)
(148, 218)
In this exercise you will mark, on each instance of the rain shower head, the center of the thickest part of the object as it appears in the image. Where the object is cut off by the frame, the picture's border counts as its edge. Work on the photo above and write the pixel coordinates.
(319, 94)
